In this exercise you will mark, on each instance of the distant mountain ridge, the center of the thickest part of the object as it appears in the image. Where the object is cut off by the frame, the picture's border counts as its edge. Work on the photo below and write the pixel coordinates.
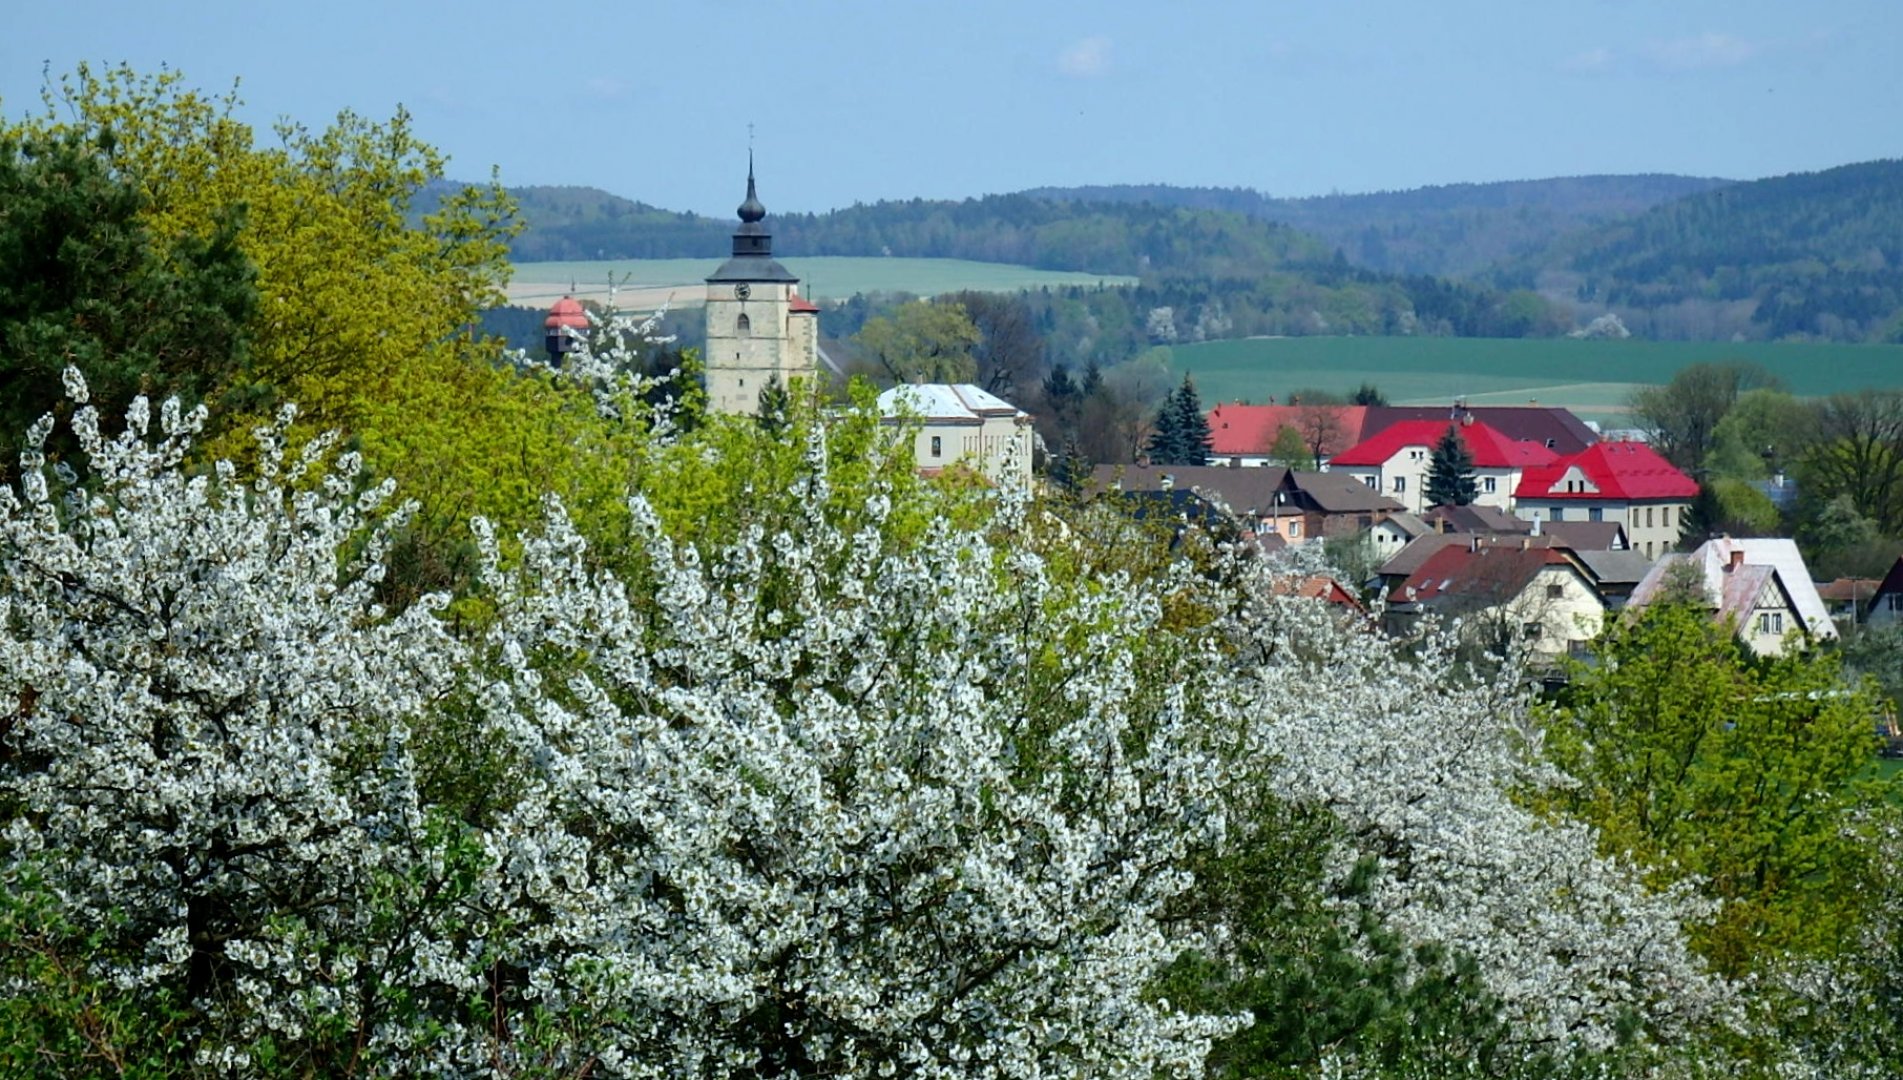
(1453, 230)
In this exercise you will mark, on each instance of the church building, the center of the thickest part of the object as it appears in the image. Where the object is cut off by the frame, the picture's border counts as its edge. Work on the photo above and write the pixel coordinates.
(759, 329)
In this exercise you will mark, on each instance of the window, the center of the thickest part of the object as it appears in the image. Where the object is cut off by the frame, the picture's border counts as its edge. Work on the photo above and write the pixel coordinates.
(1648, 517)
(938, 446)
(1555, 591)
(1665, 516)
(1532, 630)
(743, 325)
(1294, 529)
(1595, 513)
(1771, 622)
(1558, 514)
(1486, 484)
(1400, 484)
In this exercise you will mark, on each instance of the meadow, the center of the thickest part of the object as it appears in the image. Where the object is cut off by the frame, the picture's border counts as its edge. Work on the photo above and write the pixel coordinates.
(1593, 378)
(822, 277)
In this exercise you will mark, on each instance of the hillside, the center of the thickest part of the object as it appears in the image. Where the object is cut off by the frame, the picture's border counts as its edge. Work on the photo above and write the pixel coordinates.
(1810, 255)
(1452, 230)
(566, 223)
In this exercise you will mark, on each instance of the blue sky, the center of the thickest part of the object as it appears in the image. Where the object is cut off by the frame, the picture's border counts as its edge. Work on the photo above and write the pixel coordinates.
(857, 101)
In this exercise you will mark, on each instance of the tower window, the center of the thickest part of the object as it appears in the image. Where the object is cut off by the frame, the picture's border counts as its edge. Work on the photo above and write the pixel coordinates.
(743, 325)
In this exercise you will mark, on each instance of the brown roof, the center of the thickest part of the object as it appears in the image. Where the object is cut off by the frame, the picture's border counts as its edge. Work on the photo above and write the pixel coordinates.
(1475, 518)
(1254, 490)
(1586, 535)
(1554, 428)
(1485, 575)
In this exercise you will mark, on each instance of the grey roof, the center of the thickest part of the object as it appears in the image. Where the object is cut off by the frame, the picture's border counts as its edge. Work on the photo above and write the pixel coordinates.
(1584, 536)
(1339, 493)
(1616, 568)
(945, 402)
(1408, 524)
(1259, 491)
(1409, 559)
(1733, 591)
(1475, 518)
(752, 245)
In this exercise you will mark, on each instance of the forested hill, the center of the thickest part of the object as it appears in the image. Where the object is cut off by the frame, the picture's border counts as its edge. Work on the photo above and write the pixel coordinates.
(584, 223)
(1451, 230)
(1811, 254)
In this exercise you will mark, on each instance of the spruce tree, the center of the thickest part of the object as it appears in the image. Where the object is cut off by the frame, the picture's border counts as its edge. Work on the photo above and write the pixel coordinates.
(1450, 475)
(1182, 431)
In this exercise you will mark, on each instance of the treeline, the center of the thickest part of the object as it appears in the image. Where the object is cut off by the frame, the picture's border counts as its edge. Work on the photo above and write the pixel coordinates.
(1453, 229)
(1812, 255)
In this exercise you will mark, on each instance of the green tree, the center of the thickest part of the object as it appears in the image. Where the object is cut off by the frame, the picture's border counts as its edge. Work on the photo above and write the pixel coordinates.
(1738, 774)
(922, 342)
(1368, 394)
(83, 281)
(1289, 448)
(1682, 416)
(1182, 434)
(1450, 473)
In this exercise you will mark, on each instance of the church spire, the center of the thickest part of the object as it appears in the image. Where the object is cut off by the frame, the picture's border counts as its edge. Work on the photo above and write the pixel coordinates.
(751, 211)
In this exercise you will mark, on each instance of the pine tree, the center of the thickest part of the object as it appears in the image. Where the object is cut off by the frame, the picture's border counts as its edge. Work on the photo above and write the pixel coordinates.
(1450, 475)
(1182, 431)
(1193, 424)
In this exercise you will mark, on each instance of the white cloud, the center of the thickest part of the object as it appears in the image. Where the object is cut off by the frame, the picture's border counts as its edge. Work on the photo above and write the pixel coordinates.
(1598, 59)
(1085, 59)
(1708, 50)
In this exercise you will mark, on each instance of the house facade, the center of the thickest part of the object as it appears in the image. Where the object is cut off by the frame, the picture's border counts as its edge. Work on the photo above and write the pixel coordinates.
(1758, 587)
(1396, 461)
(1289, 505)
(960, 424)
(1622, 481)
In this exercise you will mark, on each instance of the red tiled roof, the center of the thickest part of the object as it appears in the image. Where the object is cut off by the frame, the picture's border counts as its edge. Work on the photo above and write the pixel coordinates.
(1620, 470)
(1490, 449)
(1493, 574)
(567, 312)
(1237, 429)
(797, 304)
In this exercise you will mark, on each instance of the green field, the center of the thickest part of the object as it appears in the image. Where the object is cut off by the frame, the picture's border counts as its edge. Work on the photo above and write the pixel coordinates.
(820, 278)
(1593, 378)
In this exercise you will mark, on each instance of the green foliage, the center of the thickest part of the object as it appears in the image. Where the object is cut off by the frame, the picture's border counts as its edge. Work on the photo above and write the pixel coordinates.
(1765, 430)
(1743, 509)
(922, 342)
(1810, 255)
(83, 281)
(1367, 394)
(1737, 774)
(1291, 449)
(1681, 418)
(1450, 472)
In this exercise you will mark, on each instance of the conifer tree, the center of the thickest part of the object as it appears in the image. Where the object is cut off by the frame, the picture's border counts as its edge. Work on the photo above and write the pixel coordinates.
(1182, 431)
(1450, 475)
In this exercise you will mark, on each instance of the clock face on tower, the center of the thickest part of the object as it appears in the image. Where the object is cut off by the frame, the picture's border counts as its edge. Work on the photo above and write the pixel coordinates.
(743, 290)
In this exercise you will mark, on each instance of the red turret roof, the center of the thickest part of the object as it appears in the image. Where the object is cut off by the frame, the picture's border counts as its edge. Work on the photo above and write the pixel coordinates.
(1490, 449)
(1612, 470)
(566, 312)
(798, 305)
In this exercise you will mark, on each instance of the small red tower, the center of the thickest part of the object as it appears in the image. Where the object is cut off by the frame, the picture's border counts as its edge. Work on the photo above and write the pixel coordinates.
(564, 326)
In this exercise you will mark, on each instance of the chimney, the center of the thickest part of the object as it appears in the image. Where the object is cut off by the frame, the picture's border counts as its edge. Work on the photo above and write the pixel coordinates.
(1737, 560)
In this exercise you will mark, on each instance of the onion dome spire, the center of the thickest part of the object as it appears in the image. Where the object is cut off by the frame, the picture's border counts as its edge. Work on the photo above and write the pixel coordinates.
(751, 211)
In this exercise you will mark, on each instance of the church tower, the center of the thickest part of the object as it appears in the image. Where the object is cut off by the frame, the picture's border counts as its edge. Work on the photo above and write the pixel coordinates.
(758, 327)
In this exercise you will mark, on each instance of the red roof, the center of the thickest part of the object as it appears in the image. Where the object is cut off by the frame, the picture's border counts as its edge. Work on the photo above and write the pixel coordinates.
(566, 312)
(1617, 470)
(1493, 574)
(1237, 429)
(1490, 449)
(798, 304)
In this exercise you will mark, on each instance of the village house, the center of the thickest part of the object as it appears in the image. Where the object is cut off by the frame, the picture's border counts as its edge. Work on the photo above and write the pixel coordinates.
(1555, 428)
(1886, 603)
(1395, 462)
(1242, 435)
(1759, 587)
(962, 425)
(1624, 482)
(1292, 506)
(1505, 594)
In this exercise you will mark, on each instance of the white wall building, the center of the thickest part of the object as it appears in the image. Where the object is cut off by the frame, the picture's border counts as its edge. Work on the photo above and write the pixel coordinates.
(963, 425)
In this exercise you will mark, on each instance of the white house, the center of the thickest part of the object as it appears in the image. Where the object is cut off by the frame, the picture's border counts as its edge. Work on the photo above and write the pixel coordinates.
(962, 425)
(1396, 461)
